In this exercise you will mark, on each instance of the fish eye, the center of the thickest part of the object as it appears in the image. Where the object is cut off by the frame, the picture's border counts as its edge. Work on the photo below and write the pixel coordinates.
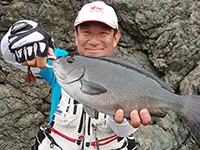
(70, 60)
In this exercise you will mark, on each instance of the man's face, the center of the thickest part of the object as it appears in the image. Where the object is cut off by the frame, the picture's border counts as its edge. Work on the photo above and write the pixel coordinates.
(96, 39)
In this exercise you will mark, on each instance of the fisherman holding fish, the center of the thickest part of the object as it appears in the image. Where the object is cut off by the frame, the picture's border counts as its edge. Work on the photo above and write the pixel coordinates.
(71, 127)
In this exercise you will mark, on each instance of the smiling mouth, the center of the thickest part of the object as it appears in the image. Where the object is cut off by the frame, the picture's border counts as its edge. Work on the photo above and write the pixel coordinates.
(94, 50)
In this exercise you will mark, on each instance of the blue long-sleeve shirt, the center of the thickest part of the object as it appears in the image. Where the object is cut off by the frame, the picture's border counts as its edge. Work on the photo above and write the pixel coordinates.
(49, 76)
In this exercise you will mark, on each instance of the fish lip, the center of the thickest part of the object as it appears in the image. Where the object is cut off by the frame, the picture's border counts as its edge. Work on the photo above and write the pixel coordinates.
(61, 77)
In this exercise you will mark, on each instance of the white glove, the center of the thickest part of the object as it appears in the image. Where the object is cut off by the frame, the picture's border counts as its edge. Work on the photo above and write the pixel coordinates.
(27, 40)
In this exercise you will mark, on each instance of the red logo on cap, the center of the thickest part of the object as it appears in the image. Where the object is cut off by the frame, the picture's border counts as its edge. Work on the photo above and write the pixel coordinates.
(96, 9)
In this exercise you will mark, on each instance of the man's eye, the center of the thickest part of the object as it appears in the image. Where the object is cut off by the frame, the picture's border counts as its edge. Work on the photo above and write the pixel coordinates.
(104, 33)
(85, 32)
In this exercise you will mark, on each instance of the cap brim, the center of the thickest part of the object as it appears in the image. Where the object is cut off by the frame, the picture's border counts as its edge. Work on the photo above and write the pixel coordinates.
(95, 21)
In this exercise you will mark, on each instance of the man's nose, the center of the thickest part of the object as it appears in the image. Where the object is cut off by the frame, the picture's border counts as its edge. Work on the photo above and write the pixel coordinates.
(94, 40)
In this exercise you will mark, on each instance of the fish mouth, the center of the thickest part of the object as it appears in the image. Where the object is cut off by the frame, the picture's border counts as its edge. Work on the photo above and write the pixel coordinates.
(61, 77)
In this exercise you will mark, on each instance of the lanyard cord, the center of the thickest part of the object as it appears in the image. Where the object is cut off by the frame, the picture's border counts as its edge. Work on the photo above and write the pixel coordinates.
(96, 138)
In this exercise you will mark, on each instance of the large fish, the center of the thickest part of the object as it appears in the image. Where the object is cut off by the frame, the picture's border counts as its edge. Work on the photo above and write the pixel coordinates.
(105, 84)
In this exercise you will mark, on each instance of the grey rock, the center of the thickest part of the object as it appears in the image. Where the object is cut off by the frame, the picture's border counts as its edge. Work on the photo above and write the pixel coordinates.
(160, 36)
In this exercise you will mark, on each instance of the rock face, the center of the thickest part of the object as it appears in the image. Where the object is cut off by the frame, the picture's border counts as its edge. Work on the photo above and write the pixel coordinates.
(161, 36)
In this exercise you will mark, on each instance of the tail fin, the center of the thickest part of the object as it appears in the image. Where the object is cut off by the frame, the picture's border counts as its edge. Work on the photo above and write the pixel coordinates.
(191, 116)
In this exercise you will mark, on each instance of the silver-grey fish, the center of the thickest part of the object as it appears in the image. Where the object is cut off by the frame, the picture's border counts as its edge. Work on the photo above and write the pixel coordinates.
(105, 84)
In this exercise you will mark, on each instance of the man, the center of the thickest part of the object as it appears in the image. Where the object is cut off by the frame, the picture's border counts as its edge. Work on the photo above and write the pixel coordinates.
(96, 34)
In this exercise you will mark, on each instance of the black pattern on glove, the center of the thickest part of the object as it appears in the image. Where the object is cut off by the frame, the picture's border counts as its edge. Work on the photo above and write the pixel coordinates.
(27, 40)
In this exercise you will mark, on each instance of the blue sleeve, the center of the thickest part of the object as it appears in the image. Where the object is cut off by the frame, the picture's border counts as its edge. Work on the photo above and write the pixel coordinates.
(50, 77)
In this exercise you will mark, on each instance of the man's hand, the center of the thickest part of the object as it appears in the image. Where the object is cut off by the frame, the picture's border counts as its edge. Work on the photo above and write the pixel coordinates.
(39, 62)
(29, 43)
(136, 118)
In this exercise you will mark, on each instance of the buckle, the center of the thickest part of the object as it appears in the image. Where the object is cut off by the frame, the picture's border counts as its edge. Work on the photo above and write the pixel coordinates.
(87, 144)
(78, 141)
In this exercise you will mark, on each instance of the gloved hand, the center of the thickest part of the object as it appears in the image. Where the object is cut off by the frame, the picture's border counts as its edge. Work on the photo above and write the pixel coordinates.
(28, 40)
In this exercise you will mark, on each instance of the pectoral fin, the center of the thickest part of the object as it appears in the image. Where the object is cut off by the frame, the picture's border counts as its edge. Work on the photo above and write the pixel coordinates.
(91, 112)
(92, 88)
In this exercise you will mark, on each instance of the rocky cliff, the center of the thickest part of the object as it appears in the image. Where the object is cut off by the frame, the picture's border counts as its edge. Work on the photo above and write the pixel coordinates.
(160, 36)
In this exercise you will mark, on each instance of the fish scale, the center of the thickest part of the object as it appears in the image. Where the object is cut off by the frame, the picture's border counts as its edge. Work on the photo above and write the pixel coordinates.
(106, 84)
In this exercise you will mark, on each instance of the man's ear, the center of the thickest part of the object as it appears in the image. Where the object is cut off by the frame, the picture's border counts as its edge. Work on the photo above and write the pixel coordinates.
(117, 38)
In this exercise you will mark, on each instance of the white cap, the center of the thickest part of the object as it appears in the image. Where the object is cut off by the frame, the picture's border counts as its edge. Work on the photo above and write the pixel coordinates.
(97, 11)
